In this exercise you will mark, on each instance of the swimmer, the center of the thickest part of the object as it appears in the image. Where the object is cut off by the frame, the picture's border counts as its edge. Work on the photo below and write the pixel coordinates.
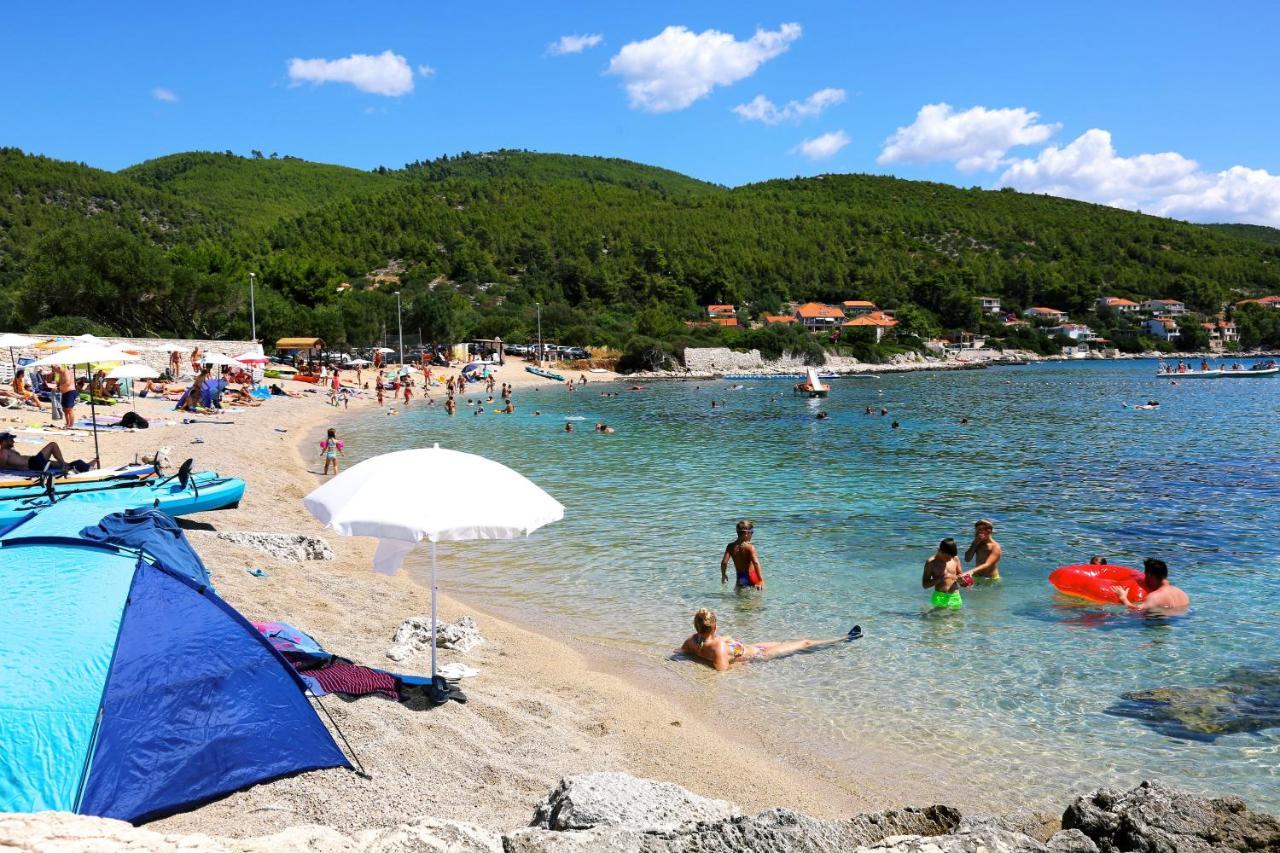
(603, 427)
(964, 421)
(1096, 560)
(568, 427)
(1162, 596)
(536, 414)
(721, 652)
(884, 412)
(943, 571)
(822, 416)
(746, 562)
(984, 550)
(895, 425)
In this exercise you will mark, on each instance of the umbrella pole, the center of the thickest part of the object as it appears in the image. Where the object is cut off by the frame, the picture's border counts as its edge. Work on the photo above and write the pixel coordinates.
(433, 613)
(93, 413)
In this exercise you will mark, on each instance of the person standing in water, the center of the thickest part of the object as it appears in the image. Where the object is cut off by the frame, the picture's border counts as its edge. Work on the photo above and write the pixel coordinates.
(943, 572)
(1162, 596)
(746, 562)
(720, 652)
(985, 551)
(329, 449)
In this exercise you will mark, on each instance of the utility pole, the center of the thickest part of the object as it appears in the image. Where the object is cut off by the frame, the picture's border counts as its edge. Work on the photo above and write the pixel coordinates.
(253, 312)
(400, 327)
(539, 304)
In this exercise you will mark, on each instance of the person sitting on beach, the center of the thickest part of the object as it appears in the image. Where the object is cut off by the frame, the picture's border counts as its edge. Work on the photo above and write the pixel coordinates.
(944, 573)
(1162, 596)
(984, 550)
(746, 562)
(721, 652)
(10, 458)
(22, 392)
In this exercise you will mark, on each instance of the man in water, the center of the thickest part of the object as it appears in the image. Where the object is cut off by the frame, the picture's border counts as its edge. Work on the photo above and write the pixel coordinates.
(943, 571)
(985, 551)
(745, 560)
(1162, 596)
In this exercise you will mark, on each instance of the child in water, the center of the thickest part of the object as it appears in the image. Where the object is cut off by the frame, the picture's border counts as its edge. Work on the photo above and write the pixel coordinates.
(329, 449)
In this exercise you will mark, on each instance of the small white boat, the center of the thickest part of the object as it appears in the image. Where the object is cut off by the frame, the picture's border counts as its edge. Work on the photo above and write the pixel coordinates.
(1190, 374)
(1255, 372)
(812, 385)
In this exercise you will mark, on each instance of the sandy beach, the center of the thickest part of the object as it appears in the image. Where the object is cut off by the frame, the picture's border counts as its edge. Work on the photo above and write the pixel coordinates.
(539, 710)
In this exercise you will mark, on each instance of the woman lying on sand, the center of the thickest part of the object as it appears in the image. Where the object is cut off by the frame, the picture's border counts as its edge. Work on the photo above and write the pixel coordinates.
(720, 652)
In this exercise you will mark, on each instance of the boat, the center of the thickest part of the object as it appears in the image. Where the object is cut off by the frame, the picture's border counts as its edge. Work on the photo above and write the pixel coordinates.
(1256, 371)
(174, 496)
(734, 377)
(20, 481)
(544, 373)
(812, 385)
(1190, 374)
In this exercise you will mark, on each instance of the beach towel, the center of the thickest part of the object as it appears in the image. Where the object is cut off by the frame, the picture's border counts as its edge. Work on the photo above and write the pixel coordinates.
(354, 680)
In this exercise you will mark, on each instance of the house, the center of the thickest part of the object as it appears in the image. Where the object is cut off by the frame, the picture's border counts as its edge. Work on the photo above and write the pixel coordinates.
(1051, 314)
(1076, 351)
(1160, 327)
(1118, 305)
(817, 317)
(715, 312)
(1221, 333)
(990, 305)
(965, 340)
(857, 307)
(725, 321)
(877, 320)
(775, 319)
(1165, 307)
(1265, 301)
(1075, 331)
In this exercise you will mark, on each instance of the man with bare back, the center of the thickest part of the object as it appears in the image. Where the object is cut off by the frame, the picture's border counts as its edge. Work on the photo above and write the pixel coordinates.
(745, 560)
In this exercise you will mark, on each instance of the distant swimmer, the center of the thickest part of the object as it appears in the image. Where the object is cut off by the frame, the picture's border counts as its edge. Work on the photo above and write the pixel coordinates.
(943, 573)
(822, 416)
(604, 427)
(746, 562)
(1162, 596)
(721, 652)
(1097, 560)
(568, 427)
(895, 425)
(984, 550)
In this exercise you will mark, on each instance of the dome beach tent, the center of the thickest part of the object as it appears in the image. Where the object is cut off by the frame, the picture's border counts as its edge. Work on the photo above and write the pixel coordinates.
(133, 691)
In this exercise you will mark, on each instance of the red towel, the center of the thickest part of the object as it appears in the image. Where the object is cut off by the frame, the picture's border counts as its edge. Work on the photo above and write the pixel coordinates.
(354, 680)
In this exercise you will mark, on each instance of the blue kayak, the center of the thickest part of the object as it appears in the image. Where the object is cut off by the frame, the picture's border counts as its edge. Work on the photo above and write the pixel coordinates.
(65, 515)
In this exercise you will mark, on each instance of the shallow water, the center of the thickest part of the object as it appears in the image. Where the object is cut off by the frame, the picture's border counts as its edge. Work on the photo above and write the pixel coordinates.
(1011, 693)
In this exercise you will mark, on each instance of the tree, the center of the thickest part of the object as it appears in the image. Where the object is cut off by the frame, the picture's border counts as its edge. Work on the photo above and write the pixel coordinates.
(443, 314)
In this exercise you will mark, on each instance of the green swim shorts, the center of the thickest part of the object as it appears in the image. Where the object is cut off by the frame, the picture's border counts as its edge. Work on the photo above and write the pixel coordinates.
(949, 600)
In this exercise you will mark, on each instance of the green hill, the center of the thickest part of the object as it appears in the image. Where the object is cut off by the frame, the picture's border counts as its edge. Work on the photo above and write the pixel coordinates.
(614, 251)
(255, 193)
(1261, 233)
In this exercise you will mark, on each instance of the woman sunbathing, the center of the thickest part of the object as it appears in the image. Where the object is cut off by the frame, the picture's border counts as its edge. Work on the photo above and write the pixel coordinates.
(720, 652)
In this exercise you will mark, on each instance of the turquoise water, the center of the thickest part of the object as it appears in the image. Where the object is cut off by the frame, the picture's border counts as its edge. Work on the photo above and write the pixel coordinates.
(1011, 694)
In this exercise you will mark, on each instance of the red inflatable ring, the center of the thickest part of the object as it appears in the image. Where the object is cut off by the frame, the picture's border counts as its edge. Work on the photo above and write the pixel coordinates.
(1094, 582)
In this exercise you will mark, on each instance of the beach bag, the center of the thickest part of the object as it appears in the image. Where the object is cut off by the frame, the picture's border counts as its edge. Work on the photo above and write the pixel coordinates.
(133, 420)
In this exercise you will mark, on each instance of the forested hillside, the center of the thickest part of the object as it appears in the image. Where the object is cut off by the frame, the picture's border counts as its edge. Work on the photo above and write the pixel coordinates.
(615, 252)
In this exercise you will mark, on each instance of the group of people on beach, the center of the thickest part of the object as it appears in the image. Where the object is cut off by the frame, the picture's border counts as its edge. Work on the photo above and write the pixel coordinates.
(944, 574)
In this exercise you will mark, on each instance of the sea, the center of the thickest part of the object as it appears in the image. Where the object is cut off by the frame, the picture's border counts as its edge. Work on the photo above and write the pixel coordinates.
(1025, 694)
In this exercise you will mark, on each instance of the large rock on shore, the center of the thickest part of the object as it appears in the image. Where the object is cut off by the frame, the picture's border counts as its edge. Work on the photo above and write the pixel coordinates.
(619, 799)
(1154, 819)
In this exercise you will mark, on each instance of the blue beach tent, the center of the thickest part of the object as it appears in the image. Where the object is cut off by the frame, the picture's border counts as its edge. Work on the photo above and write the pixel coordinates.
(130, 690)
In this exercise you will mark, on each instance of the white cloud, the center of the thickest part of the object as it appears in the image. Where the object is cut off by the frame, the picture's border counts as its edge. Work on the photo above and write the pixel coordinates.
(385, 74)
(160, 93)
(822, 147)
(573, 44)
(677, 66)
(764, 110)
(977, 138)
(1166, 184)
(426, 71)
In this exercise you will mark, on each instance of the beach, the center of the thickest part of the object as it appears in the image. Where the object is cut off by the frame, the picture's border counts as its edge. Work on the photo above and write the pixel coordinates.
(539, 710)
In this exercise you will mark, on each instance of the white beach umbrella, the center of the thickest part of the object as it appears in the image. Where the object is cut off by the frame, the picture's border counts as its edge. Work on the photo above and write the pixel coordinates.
(383, 497)
(87, 354)
(384, 350)
(171, 347)
(10, 340)
(362, 362)
(134, 370)
(219, 358)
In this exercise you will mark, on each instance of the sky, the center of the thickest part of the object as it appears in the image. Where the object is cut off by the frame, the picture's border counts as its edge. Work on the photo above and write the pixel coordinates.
(1171, 108)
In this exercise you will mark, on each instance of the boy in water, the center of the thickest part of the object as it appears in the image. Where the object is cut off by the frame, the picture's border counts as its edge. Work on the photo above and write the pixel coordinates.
(746, 562)
(943, 572)
(985, 551)
(1162, 596)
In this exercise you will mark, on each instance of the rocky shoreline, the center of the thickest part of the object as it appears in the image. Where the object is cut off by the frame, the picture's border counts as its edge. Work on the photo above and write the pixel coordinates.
(618, 812)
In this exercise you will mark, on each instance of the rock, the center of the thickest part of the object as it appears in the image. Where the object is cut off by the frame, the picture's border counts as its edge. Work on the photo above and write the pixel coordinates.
(428, 834)
(1071, 841)
(1246, 700)
(985, 839)
(619, 799)
(1038, 825)
(414, 635)
(1152, 818)
(282, 546)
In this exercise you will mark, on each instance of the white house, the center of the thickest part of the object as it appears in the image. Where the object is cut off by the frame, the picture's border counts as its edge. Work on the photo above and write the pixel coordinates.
(1221, 333)
(1075, 331)
(1160, 327)
(1118, 305)
(990, 305)
(1165, 307)
(1040, 313)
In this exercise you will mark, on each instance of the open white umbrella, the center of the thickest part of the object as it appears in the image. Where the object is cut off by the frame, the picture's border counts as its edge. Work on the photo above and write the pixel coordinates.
(171, 347)
(253, 358)
(10, 340)
(219, 358)
(87, 354)
(362, 362)
(135, 370)
(383, 497)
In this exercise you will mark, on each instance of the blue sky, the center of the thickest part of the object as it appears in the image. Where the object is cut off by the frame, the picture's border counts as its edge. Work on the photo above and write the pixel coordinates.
(1171, 107)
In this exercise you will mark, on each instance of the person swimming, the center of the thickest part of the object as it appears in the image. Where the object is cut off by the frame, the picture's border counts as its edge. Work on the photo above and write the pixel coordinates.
(943, 572)
(721, 652)
(746, 562)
